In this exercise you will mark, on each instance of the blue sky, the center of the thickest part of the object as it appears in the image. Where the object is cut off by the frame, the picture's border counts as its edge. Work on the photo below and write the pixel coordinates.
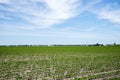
(59, 22)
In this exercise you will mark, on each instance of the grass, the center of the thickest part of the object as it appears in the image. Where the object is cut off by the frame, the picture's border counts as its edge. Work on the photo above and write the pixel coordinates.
(59, 63)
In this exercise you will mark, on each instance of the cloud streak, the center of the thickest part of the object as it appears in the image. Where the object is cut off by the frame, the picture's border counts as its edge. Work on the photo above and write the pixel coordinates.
(4, 17)
(45, 13)
(4, 1)
(41, 12)
(110, 12)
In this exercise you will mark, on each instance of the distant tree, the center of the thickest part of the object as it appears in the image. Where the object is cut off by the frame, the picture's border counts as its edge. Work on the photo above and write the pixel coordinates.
(114, 44)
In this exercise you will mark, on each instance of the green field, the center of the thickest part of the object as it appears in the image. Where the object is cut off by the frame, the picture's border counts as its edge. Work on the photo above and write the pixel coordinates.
(60, 63)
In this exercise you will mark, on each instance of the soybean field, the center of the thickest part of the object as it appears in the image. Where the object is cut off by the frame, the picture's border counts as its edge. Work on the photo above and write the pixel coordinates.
(60, 63)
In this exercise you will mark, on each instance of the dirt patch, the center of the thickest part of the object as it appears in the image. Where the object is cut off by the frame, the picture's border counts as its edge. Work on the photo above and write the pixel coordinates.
(109, 77)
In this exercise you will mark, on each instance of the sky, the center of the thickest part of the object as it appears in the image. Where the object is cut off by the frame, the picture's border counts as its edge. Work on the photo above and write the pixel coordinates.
(46, 22)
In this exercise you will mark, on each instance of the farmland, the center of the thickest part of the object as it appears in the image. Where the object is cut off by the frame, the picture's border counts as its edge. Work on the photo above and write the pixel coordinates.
(60, 63)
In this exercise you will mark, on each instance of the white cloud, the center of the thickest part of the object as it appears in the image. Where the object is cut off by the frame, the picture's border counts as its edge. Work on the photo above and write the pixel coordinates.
(45, 13)
(109, 13)
(42, 12)
(4, 1)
